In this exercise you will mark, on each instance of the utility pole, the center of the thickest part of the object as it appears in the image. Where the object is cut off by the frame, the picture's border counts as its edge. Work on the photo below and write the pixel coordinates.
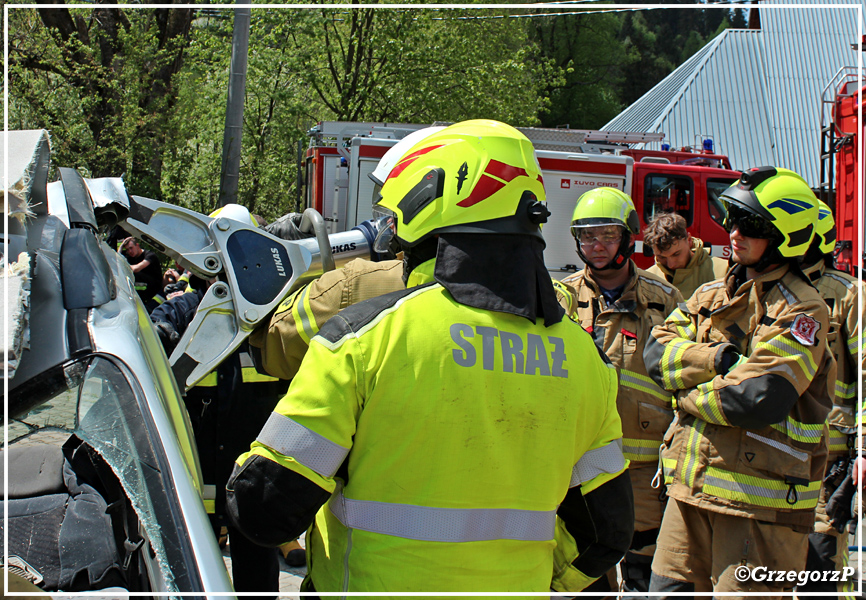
(231, 160)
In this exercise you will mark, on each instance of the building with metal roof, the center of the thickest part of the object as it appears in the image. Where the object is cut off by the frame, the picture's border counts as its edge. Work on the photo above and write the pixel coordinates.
(756, 92)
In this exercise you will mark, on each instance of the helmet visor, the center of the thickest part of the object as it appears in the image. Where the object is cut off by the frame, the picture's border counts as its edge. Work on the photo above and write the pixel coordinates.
(386, 225)
(748, 223)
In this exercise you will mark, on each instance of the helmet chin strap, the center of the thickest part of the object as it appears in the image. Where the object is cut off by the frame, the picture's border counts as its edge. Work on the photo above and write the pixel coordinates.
(626, 249)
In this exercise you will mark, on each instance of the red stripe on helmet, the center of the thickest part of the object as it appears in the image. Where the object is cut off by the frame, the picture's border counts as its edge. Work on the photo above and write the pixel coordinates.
(503, 171)
(486, 187)
(409, 159)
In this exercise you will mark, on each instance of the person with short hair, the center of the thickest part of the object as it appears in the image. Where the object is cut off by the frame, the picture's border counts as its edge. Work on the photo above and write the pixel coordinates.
(618, 304)
(148, 272)
(680, 258)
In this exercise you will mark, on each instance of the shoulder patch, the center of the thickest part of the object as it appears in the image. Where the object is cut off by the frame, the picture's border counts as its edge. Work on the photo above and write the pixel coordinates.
(805, 329)
(356, 317)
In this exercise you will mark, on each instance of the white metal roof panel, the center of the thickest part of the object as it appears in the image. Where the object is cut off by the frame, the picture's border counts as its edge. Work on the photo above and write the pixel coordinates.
(756, 92)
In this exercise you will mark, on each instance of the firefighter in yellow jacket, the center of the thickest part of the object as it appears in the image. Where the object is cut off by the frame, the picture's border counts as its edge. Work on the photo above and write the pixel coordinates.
(618, 304)
(828, 544)
(680, 258)
(445, 426)
(748, 359)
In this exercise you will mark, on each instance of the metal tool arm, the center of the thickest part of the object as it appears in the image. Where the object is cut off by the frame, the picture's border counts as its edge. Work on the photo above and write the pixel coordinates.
(251, 273)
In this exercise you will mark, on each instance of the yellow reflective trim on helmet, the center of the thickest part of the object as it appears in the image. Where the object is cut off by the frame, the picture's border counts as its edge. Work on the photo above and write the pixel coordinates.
(463, 178)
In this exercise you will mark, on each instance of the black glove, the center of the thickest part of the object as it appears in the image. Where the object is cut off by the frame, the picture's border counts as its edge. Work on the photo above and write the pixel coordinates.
(168, 335)
(839, 504)
(287, 227)
(835, 474)
(728, 359)
(171, 288)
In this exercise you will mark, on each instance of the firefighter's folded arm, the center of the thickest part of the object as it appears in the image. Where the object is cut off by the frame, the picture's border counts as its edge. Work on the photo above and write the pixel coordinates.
(762, 389)
(593, 533)
(678, 363)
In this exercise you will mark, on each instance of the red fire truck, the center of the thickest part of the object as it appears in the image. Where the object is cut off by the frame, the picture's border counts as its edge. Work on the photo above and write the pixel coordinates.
(842, 169)
(688, 181)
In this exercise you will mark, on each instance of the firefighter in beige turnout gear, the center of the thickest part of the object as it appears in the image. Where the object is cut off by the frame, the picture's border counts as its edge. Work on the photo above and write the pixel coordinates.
(618, 304)
(748, 359)
(828, 544)
(680, 258)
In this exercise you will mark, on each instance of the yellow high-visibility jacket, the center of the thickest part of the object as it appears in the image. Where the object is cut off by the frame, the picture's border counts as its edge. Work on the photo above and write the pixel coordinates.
(748, 442)
(441, 439)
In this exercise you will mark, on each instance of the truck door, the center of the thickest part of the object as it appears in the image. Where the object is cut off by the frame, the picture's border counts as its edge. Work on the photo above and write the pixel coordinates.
(660, 189)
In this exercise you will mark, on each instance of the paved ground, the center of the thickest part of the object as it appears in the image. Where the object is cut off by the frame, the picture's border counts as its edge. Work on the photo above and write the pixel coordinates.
(290, 577)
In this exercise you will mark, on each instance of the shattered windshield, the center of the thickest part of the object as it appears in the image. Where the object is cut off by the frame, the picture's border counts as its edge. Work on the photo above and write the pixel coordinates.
(100, 407)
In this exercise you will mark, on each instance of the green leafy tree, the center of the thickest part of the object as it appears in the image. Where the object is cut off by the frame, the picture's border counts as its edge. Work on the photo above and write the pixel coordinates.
(101, 81)
(587, 50)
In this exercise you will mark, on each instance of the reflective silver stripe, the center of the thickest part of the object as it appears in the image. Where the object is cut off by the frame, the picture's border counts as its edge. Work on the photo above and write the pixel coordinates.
(606, 459)
(712, 286)
(246, 359)
(845, 282)
(801, 456)
(845, 390)
(801, 432)
(642, 453)
(667, 289)
(443, 524)
(305, 317)
(304, 445)
(787, 349)
(645, 384)
(787, 294)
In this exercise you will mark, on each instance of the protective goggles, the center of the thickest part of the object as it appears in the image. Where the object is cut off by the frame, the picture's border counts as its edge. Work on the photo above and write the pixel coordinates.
(590, 236)
(386, 227)
(748, 223)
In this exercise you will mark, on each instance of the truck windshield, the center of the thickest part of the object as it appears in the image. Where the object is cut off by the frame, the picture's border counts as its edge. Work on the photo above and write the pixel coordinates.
(715, 188)
(668, 193)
